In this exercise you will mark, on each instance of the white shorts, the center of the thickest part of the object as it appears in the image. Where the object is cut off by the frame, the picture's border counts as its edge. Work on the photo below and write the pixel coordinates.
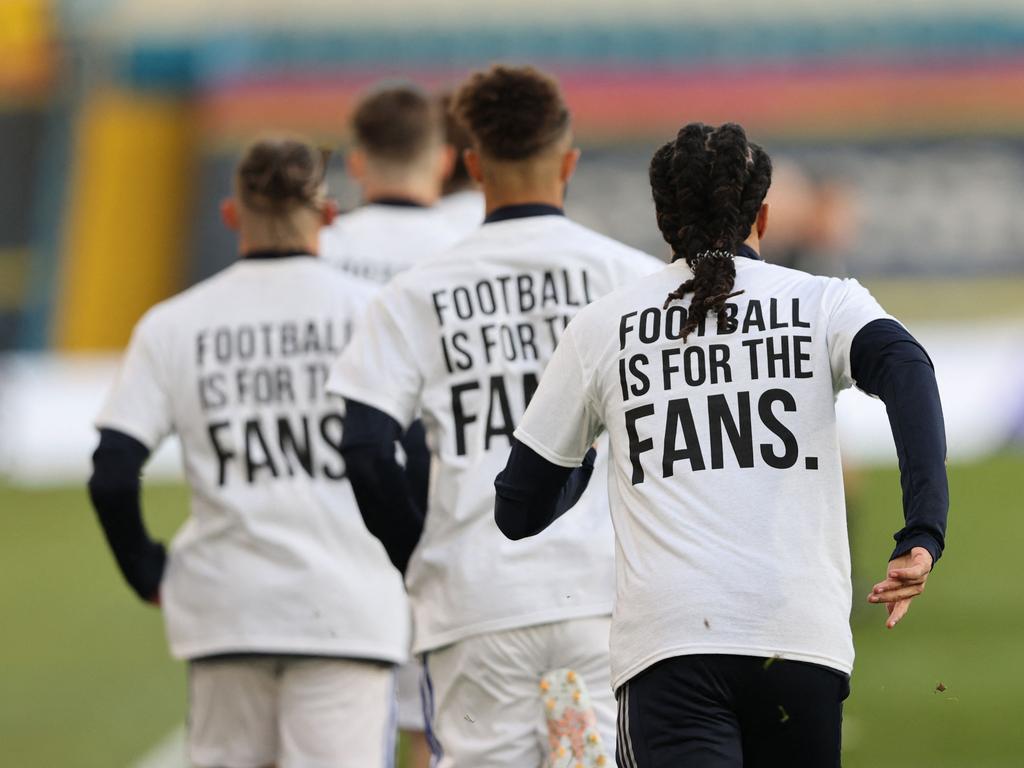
(292, 712)
(408, 681)
(484, 703)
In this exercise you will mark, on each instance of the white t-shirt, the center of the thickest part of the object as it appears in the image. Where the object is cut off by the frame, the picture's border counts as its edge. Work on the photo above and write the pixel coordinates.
(464, 210)
(274, 556)
(726, 486)
(377, 241)
(463, 338)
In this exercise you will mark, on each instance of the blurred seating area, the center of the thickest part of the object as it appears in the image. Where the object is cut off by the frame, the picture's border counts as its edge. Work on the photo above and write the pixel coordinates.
(899, 135)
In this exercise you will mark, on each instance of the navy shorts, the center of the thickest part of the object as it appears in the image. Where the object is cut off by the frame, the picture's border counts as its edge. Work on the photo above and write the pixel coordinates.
(720, 711)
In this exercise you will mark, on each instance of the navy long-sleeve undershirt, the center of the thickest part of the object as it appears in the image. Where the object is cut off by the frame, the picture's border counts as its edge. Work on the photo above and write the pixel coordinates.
(391, 498)
(114, 489)
(531, 492)
(886, 361)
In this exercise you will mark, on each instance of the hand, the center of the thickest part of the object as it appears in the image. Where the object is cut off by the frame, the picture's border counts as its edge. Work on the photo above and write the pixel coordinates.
(906, 579)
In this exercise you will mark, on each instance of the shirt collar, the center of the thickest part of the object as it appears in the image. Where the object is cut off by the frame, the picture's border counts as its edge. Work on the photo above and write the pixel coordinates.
(522, 211)
(396, 201)
(748, 253)
(263, 255)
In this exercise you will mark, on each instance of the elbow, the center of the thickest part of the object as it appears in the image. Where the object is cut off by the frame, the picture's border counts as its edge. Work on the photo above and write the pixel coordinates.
(362, 466)
(509, 518)
(110, 482)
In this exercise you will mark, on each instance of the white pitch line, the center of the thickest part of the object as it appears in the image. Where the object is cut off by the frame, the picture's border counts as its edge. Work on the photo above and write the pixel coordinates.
(169, 752)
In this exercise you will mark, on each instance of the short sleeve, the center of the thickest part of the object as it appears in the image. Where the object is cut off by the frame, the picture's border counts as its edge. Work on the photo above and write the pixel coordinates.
(560, 423)
(853, 308)
(378, 367)
(139, 404)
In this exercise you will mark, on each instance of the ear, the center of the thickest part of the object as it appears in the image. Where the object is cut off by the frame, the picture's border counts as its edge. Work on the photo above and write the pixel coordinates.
(569, 162)
(328, 212)
(472, 159)
(229, 213)
(355, 164)
(761, 223)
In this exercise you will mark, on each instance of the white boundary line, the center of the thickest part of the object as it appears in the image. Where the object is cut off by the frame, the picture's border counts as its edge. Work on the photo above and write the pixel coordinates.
(169, 752)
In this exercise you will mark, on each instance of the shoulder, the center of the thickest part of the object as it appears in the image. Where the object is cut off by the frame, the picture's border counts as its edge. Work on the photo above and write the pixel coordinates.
(595, 326)
(168, 314)
(776, 276)
(614, 252)
(355, 223)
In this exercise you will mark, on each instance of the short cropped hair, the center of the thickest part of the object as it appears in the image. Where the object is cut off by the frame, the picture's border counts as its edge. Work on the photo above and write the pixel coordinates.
(396, 123)
(512, 113)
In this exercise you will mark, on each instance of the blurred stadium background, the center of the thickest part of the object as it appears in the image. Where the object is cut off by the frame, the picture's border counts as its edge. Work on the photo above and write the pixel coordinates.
(898, 131)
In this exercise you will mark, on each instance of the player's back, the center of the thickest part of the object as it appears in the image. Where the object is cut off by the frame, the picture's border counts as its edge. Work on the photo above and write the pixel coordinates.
(479, 323)
(378, 240)
(275, 556)
(732, 430)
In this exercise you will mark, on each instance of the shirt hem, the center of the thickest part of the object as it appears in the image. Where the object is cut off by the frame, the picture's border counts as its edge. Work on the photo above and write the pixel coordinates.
(370, 398)
(441, 639)
(117, 425)
(271, 646)
(692, 650)
(538, 447)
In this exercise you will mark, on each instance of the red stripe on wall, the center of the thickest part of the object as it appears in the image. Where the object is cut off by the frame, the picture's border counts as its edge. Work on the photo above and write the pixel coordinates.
(830, 101)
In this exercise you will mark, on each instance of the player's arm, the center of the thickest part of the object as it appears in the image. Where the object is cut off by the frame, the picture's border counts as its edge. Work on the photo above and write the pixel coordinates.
(379, 378)
(552, 456)
(134, 420)
(886, 361)
(389, 499)
(114, 489)
(417, 462)
(531, 492)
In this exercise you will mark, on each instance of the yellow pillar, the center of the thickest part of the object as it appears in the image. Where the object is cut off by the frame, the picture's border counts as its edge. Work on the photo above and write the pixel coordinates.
(127, 232)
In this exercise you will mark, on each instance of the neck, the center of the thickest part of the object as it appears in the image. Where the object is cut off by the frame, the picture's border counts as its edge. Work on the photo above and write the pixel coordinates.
(421, 191)
(753, 242)
(253, 245)
(496, 197)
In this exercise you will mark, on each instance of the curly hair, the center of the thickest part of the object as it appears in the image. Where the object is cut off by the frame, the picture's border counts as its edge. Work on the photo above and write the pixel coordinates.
(512, 113)
(708, 186)
(276, 175)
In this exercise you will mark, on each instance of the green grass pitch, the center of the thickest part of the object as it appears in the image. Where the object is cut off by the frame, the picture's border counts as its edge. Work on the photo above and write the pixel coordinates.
(85, 680)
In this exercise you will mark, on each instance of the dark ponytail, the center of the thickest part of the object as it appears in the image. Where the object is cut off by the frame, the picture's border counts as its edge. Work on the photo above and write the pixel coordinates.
(708, 186)
(277, 175)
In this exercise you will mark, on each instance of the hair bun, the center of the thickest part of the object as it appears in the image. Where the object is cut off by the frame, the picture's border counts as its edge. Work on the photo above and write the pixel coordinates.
(277, 174)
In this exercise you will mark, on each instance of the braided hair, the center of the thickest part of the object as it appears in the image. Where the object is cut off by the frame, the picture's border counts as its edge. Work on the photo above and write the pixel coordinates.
(708, 186)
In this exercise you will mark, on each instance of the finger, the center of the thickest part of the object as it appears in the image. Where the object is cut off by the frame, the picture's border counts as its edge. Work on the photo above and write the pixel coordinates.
(916, 570)
(888, 584)
(899, 610)
(893, 595)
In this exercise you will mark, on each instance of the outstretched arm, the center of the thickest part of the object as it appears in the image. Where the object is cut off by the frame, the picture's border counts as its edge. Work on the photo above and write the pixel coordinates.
(390, 499)
(886, 361)
(115, 489)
